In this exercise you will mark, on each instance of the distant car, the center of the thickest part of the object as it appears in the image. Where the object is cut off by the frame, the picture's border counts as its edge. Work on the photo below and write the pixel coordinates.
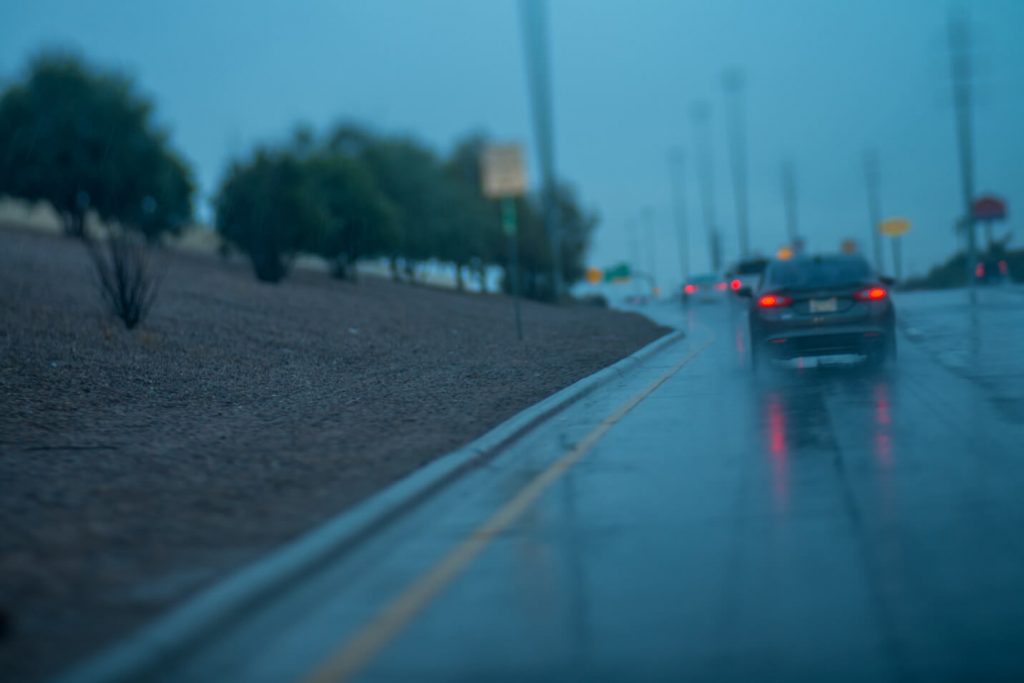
(992, 271)
(820, 306)
(704, 288)
(746, 273)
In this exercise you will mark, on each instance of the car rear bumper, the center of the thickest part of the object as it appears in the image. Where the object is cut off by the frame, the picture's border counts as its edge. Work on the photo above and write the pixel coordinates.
(824, 341)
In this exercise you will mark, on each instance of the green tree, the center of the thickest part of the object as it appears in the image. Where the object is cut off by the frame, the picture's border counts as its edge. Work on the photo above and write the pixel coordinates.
(578, 226)
(166, 204)
(410, 177)
(271, 207)
(361, 221)
(83, 139)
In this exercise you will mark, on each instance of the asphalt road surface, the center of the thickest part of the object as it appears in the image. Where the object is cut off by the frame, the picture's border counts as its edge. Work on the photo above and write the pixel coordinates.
(691, 521)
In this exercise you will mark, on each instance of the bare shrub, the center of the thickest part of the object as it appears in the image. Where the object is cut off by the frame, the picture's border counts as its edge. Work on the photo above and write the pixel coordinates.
(126, 279)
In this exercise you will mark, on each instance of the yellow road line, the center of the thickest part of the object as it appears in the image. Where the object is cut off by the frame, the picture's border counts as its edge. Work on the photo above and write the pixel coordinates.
(351, 656)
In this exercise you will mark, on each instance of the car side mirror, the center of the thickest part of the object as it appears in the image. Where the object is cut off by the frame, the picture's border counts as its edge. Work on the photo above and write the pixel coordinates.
(745, 292)
(886, 280)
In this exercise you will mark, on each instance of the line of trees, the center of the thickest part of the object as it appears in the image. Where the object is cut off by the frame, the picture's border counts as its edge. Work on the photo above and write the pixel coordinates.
(85, 140)
(353, 194)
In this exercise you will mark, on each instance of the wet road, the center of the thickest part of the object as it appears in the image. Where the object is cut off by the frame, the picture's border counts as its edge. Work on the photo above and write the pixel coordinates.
(693, 522)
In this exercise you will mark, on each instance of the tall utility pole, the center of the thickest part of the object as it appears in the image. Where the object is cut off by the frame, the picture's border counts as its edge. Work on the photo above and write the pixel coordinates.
(871, 180)
(676, 168)
(634, 253)
(960, 69)
(733, 82)
(700, 113)
(652, 246)
(538, 71)
(789, 201)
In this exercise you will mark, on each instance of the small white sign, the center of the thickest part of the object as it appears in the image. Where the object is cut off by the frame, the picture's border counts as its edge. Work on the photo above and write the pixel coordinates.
(504, 174)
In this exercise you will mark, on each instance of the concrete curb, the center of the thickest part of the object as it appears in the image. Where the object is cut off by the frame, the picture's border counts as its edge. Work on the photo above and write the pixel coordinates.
(144, 654)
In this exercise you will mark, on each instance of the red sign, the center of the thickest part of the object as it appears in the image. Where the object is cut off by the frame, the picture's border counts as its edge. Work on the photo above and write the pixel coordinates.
(989, 208)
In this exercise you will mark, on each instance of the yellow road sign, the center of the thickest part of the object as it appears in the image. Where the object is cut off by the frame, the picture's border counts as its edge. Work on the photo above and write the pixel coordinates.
(894, 227)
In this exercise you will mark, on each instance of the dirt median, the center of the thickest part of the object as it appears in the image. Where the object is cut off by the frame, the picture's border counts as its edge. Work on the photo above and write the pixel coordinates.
(136, 468)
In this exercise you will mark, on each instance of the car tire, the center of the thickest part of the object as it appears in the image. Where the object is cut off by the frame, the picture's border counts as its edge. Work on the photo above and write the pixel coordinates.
(883, 356)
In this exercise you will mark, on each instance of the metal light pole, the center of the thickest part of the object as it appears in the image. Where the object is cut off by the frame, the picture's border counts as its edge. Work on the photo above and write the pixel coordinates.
(960, 69)
(897, 259)
(676, 169)
(652, 247)
(733, 83)
(700, 113)
(535, 40)
(789, 201)
(871, 179)
(634, 252)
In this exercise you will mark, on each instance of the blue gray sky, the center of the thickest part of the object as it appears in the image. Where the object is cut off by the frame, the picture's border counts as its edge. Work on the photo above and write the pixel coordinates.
(826, 79)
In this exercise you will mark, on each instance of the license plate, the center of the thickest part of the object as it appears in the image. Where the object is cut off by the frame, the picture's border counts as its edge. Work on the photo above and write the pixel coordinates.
(824, 305)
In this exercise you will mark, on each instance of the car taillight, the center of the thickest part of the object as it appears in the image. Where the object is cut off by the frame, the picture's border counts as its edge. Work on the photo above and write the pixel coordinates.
(690, 289)
(774, 301)
(871, 294)
(720, 286)
(735, 285)
(1004, 268)
(979, 270)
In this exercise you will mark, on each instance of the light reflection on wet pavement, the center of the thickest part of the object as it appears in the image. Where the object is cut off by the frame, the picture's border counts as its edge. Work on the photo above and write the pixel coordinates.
(984, 343)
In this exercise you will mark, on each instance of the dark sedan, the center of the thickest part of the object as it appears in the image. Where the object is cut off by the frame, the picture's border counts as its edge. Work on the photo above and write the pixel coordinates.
(820, 306)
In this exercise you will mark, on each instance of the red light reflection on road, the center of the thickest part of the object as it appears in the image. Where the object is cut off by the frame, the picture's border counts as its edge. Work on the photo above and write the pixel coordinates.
(883, 449)
(882, 414)
(776, 426)
(883, 419)
(778, 446)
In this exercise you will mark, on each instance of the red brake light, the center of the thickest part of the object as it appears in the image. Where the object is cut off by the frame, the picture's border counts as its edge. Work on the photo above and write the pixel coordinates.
(690, 289)
(871, 294)
(774, 301)
(735, 284)
(979, 270)
(720, 286)
(1003, 268)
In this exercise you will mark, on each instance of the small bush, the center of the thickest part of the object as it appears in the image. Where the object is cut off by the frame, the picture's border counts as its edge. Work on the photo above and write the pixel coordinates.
(126, 280)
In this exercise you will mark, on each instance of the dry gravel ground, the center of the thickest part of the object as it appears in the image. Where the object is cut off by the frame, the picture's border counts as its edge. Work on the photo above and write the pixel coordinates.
(135, 468)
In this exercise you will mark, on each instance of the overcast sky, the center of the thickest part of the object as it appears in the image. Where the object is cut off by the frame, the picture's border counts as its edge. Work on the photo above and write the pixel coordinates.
(826, 79)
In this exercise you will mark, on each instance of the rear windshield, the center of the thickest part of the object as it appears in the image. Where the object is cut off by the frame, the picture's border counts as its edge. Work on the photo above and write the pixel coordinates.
(818, 273)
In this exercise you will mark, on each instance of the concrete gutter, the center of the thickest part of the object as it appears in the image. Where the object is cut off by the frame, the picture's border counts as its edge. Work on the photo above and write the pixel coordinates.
(142, 656)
